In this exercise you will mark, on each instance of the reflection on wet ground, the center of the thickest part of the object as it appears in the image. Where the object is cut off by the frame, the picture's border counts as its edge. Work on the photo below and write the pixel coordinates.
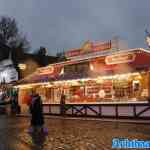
(65, 134)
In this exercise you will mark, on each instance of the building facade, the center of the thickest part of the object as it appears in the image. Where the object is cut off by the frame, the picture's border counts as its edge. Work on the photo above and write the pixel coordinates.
(95, 73)
(15, 64)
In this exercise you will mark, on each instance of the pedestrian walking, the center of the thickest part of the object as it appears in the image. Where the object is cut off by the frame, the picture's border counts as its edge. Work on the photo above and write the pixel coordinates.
(62, 104)
(36, 109)
(15, 108)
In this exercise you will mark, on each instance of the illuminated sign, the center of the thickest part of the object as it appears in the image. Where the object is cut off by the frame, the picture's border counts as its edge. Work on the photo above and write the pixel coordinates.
(119, 58)
(22, 66)
(72, 53)
(7, 71)
(46, 70)
(88, 48)
(148, 40)
(8, 75)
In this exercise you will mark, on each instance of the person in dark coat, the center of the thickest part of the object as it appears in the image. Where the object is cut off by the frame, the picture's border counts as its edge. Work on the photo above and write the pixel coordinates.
(15, 107)
(62, 104)
(36, 109)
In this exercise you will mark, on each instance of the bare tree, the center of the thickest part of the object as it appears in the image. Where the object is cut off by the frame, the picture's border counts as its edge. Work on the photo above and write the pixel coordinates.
(10, 35)
(13, 39)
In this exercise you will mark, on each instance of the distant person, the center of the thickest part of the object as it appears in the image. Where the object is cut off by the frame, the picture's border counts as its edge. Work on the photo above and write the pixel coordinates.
(2, 100)
(15, 108)
(28, 98)
(3, 95)
(62, 104)
(36, 109)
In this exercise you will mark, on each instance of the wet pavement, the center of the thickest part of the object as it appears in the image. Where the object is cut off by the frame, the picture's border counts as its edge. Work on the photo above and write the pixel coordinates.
(66, 134)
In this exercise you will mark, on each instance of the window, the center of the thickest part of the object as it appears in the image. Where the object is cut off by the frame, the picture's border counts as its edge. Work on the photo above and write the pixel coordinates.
(77, 68)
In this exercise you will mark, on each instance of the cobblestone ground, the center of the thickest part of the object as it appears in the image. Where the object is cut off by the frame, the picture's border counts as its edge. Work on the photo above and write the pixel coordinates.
(64, 134)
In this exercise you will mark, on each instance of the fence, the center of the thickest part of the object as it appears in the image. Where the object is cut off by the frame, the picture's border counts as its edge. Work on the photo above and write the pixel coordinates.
(123, 110)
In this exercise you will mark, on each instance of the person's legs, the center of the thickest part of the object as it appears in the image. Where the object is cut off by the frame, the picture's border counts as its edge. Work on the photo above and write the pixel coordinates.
(38, 129)
(63, 109)
(35, 128)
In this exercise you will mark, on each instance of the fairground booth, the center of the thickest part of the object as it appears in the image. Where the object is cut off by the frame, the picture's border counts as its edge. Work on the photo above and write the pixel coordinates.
(96, 73)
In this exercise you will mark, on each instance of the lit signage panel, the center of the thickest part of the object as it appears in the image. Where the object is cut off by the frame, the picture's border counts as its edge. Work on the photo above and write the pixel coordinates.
(8, 73)
(88, 48)
(47, 70)
(120, 58)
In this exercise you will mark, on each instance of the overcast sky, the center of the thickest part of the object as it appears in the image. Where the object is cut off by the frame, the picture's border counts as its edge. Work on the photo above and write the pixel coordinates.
(65, 24)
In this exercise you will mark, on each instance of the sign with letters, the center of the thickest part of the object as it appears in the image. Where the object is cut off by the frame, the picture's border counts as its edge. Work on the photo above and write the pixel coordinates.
(120, 58)
(88, 48)
(46, 70)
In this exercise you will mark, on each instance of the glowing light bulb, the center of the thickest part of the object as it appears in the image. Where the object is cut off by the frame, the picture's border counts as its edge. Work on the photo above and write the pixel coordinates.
(91, 67)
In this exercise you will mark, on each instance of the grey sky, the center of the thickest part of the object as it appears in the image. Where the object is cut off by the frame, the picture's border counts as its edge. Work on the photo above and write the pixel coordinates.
(65, 24)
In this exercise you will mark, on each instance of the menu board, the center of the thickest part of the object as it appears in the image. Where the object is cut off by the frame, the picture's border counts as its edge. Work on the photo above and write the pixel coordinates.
(92, 89)
(99, 90)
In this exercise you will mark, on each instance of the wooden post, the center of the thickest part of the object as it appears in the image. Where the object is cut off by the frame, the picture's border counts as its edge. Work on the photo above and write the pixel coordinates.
(116, 110)
(49, 108)
(72, 110)
(85, 110)
(100, 111)
(134, 110)
(148, 84)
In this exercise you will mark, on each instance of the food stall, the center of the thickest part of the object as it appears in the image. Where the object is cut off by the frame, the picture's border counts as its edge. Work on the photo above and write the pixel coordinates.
(93, 74)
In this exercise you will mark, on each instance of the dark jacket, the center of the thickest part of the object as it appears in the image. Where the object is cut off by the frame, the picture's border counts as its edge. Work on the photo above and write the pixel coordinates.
(62, 100)
(36, 110)
(62, 104)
